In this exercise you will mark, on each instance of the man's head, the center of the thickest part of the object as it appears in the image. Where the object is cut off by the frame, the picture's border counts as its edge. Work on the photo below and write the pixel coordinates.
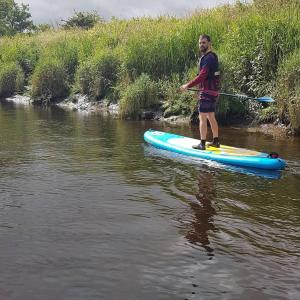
(204, 43)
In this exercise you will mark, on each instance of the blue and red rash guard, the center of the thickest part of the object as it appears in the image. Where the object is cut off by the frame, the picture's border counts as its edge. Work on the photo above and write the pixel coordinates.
(208, 77)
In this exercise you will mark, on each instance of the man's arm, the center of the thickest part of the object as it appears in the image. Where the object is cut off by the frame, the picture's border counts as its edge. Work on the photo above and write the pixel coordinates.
(199, 78)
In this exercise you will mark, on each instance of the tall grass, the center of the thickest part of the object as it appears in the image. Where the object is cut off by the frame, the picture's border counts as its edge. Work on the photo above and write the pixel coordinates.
(11, 79)
(254, 41)
(97, 75)
(257, 42)
(288, 89)
(139, 95)
(176, 103)
(55, 71)
(49, 81)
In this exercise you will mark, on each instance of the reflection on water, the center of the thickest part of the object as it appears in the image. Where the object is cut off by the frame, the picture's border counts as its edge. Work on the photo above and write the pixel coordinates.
(88, 211)
(203, 211)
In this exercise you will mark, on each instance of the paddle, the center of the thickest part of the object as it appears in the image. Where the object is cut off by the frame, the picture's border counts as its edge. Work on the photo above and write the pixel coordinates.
(264, 99)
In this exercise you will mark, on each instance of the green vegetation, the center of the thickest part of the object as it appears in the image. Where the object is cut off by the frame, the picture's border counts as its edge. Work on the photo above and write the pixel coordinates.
(11, 79)
(14, 18)
(176, 103)
(97, 75)
(141, 94)
(49, 81)
(122, 60)
(268, 114)
(84, 20)
(288, 89)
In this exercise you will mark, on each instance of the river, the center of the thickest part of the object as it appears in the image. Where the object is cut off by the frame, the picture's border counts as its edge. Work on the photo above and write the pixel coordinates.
(89, 211)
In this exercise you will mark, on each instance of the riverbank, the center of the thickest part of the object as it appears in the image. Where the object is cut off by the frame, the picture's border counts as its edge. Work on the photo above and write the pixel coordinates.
(275, 129)
(81, 104)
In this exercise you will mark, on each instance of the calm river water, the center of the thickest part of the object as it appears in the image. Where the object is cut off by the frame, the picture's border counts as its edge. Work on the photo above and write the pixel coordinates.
(88, 211)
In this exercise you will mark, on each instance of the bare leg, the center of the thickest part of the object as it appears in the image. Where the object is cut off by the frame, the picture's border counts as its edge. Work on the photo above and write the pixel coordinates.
(203, 125)
(213, 124)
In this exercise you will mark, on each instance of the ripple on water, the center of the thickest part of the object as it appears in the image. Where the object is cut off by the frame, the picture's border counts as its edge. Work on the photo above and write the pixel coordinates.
(87, 211)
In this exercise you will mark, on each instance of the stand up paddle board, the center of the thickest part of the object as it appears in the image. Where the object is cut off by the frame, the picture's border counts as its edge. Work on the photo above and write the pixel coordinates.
(224, 154)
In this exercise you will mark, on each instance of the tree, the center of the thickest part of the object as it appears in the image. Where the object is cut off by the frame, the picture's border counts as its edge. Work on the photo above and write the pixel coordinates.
(42, 27)
(84, 20)
(14, 18)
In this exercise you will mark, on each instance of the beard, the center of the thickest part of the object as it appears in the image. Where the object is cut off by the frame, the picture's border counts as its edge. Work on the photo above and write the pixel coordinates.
(203, 49)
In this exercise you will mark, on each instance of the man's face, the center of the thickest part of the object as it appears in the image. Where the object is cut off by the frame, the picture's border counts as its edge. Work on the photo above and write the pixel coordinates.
(204, 44)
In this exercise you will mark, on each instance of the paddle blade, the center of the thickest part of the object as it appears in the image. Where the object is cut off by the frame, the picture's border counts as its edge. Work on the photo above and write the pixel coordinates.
(265, 99)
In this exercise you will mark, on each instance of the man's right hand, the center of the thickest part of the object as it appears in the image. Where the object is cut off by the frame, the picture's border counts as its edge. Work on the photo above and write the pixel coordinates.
(183, 87)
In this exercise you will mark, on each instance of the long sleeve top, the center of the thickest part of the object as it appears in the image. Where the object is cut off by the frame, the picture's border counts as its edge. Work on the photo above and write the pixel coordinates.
(208, 77)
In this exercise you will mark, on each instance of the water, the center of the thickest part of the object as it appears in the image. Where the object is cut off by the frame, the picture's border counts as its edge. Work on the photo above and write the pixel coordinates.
(88, 211)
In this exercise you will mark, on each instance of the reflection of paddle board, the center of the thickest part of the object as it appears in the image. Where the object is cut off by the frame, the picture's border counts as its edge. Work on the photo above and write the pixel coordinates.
(224, 154)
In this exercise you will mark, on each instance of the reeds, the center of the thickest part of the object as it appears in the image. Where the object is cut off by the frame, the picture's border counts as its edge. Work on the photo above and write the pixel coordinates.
(143, 93)
(11, 79)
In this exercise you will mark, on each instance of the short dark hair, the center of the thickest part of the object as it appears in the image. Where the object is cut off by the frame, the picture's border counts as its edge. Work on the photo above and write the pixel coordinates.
(205, 36)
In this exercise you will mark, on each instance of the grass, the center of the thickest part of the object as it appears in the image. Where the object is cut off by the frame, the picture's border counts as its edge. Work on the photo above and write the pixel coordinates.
(257, 43)
(176, 103)
(11, 79)
(288, 89)
(97, 75)
(49, 81)
(139, 95)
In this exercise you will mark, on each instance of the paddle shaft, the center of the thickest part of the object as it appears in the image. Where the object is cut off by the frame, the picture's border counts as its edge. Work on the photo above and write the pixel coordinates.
(262, 99)
(226, 94)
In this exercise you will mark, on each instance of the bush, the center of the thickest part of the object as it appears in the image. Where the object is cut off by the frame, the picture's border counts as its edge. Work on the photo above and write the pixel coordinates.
(258, 40)
(175, 102)
(84, 20)
(67, 53)
(230, 109)
(95, 77)
(141, 94)
(55, 70)
(268, 114)
(11, 79)
(28, 56)
(20, 49)
(49, 81)
(288, 90)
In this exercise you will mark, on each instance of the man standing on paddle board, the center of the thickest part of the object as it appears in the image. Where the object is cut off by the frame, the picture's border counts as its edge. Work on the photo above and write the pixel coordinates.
(208, 82)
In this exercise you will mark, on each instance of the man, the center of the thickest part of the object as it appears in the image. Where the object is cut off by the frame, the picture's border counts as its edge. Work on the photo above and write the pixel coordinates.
(208, 82)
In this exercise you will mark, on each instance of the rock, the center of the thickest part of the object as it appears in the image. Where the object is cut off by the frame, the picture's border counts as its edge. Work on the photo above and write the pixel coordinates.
(148, 115)
(277, 121)
(177, 119)
(19, 99)
(113, 109)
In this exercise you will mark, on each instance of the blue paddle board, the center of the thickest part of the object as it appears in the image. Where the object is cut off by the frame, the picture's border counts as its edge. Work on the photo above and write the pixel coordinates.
(224, 154)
